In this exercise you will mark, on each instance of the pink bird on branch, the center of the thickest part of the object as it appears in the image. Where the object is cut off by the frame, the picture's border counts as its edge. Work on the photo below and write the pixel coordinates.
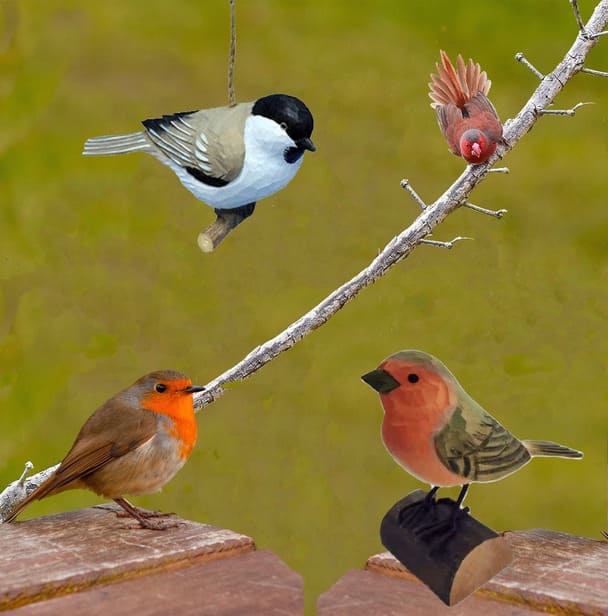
(466, 116)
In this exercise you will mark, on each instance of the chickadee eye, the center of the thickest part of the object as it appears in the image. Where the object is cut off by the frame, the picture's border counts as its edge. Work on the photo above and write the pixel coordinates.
(283, 125)
(413, 378)
(160, 388)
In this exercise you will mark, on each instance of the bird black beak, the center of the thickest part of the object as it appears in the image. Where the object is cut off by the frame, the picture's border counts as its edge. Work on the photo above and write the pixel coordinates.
(381, 381)
(306, 144)
(193, 389)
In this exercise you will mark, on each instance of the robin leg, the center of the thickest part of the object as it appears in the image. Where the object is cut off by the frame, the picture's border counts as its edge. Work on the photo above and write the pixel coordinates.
(143, 517)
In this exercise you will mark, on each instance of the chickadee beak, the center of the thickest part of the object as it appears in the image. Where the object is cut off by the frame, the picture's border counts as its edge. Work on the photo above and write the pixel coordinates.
(193, 389)
(381, 381)
(306, 143)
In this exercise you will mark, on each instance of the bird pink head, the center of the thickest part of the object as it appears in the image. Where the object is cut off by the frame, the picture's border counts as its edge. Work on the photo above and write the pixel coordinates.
(475, 147)
(419, 391)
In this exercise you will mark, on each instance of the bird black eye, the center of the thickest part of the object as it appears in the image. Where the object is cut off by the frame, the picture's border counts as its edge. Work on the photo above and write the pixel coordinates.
(413, 378)
(160, 388)
(283, 126)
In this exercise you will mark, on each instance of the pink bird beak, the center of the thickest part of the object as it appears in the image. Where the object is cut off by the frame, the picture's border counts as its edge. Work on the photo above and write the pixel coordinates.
(381, 381)
(476, 149)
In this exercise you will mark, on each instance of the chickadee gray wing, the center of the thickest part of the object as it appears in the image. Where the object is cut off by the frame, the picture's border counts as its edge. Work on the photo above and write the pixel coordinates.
(209, 144)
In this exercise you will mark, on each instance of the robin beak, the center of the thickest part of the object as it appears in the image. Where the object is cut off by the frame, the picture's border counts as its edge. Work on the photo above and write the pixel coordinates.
(306, 143)
(193, 389)
(381, 381)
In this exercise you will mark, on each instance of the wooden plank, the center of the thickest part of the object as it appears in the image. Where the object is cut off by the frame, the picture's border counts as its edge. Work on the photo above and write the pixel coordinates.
(366, 593)
(258, 583)
(551, 572)
(57, 554)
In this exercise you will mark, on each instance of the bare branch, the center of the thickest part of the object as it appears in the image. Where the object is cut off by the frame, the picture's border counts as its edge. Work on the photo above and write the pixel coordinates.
(449, 245)
(564, 112)
(577, 14)
(483, 210)
(400, 247)
(19, 490)
(499, 170)
(591, 71)
(521, 58)
(415, 196)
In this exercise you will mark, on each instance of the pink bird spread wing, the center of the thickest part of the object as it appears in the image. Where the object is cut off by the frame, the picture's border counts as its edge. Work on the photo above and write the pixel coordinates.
(480, 108)
(459, 84)
(476, 447)
(449, 118)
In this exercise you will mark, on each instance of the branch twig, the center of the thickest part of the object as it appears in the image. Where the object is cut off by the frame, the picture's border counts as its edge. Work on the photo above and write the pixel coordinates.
(564, 112)
(402, 245)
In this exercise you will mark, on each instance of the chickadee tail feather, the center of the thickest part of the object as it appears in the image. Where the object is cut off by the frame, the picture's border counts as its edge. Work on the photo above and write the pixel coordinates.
(117, 144)
(548, 448)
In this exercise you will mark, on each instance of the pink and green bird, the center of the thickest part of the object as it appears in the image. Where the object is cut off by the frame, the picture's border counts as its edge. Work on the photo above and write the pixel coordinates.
(439, 434)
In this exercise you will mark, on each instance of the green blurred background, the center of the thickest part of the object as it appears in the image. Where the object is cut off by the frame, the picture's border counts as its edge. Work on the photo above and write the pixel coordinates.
(102, 279)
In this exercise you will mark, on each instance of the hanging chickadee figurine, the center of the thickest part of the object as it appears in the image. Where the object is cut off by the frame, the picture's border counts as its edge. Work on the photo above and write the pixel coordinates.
(228, 157)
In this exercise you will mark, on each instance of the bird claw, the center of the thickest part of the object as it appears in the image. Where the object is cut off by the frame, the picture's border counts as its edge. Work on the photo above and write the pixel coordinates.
(146, 514)
(158, 524)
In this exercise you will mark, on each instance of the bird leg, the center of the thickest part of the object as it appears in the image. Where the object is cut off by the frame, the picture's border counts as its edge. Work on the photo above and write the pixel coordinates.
(445, 528)
(143, 516)
(226, 220)
(411, 514)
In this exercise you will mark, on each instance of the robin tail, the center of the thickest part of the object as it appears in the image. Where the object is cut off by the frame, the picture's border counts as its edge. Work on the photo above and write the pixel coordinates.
(117, 144)
(457, 86)
(547, 448)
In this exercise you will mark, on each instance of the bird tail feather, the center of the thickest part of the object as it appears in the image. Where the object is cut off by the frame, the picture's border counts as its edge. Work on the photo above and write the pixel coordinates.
(548, 448)
(457, 85)
(117, 144)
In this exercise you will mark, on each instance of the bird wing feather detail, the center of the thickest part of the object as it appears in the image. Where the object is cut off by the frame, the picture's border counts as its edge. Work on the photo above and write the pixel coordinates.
(480, 107)
(478, 448)
(208, 143)
(448, 117)
(102, 439)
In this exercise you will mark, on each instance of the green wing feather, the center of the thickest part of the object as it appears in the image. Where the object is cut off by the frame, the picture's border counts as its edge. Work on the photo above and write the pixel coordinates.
(476, 447)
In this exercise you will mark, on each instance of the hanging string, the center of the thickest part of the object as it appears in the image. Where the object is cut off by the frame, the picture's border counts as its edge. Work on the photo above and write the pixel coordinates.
(231, 57)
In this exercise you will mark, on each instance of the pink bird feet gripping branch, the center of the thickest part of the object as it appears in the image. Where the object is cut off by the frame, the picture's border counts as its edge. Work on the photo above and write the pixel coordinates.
(440, 435)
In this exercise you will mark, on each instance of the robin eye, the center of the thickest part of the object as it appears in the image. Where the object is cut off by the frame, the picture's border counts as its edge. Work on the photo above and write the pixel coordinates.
(283, 126)
(413, 378)
(160, 388)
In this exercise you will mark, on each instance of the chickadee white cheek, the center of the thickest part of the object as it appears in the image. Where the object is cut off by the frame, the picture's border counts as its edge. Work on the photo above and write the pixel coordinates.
(267, 134)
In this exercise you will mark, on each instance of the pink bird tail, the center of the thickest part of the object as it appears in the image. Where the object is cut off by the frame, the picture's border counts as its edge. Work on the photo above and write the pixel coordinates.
(457, 86)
